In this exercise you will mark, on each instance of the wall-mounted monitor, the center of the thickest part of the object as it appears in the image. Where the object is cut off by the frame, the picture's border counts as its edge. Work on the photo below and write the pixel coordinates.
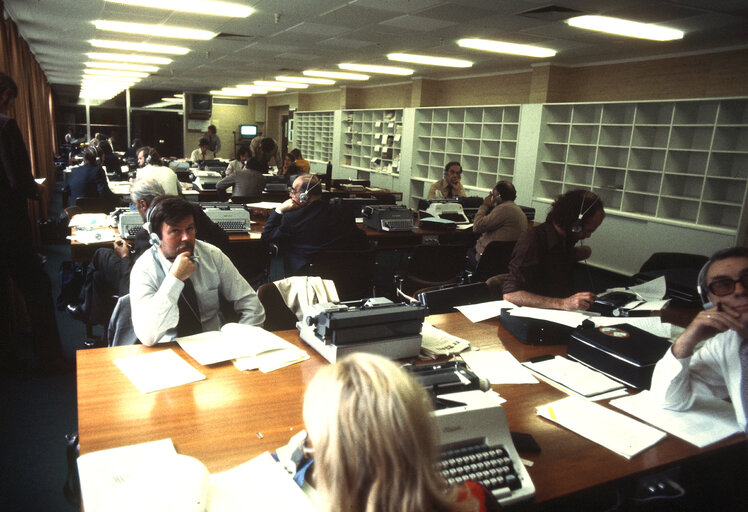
(248, 131)
(201, 104)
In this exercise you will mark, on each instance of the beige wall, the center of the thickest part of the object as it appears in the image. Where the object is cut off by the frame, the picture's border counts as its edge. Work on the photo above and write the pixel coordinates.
(390, 96)
(227, 119)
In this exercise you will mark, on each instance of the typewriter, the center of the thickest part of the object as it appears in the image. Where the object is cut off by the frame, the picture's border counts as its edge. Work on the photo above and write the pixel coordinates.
(230, 218)
(388, 217)
(446, 209)
(129, 223)
(206, 180)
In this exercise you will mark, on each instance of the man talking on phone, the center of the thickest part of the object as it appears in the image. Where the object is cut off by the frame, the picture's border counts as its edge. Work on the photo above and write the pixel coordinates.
(498, 219)
(718, 369)
(176, 286)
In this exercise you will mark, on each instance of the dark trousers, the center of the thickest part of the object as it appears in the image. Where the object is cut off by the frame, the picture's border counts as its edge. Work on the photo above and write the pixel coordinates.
(108, 276)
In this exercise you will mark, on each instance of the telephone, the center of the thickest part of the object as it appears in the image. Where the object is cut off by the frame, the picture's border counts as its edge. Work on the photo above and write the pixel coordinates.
(613, 303)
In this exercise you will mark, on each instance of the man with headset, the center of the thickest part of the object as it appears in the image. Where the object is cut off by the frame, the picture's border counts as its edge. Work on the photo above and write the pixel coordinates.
(542, 264)
(150, 166)
(719, 368)
(303, 225)
(498, 219)
(449, 186)
(176, 287)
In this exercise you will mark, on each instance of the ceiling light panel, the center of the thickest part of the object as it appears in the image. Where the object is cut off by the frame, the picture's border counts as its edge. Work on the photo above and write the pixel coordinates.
(626, 28)
(334, 74)
(368, 68)
(144, 29)
(132, 57)
(204, 7)
(139, 47)
(504, 47)
(287, 85)
(264, 88)
(305, 80)
(429, 60)
(123, 66)
(113, 72)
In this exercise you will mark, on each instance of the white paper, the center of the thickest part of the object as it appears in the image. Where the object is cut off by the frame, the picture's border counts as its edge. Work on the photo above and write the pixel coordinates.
(484, 310)
(651, 290)
(499, 367)
(265, 205)
(95, 236)
(40, 181)
(90, 221)
(707, 422)
(260, 484)
(271, 360)
(103, 472)
(231, 342)
(574, 377)
(567, 318)
(158, 370)
(437, 342)
(651, 324)
(610, 429)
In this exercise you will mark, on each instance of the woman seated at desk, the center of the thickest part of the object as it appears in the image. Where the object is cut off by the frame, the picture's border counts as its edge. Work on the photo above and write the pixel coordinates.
(375, 442)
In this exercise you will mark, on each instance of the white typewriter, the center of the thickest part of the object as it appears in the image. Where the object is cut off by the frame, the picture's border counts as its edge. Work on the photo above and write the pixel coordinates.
(476, 445)
(449, 210)
(206, 180)
(129, 223)
(230, 219)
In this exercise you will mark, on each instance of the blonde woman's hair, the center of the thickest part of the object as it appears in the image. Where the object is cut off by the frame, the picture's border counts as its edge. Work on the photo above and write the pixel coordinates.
(374, 440)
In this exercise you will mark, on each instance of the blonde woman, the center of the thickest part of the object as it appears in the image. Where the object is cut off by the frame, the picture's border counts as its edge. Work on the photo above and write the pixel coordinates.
(375, 442)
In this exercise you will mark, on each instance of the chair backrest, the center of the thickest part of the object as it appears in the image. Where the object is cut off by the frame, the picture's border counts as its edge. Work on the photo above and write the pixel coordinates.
(97, 204)
(671, 260)
(120, 330)
(495, 260)
(251, 258)
(444, 299)
(278, 316)
(432, 265)
(351, 271)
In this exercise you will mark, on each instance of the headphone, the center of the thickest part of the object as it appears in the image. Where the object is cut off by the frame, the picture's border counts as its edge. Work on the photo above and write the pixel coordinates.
(701, 287)
(577, 226)
(304, 196)
(153, 238)
(148, 157)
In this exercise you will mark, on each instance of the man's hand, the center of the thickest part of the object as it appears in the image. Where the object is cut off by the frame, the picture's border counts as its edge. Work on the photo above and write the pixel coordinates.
(288, 205)
(706, 324)
(488, 201)
(121, 248)
(183, 267)
(579, 301)
(582, 252)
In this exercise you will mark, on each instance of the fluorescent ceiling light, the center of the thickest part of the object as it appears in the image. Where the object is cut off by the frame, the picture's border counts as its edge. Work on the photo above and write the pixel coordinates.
(109, 80)
(204, 7)
(367, 68)
(139, 47)
(625, 28)
(144, 29)
(232, 92)
(122, 66)
(503, 47)
(172, 100)
(112, 72)
(305, 80)
(180, 96)
(431, 61)
(253, 88)
(274, 88)
(334, 74)
(123, 57)
(287, 85)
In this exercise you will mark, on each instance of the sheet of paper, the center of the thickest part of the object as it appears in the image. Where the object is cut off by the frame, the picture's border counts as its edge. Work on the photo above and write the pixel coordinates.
(651, 324)
(232, 342)
(652, 305)
(90, 221)
(272, 360)
(94, 236)
(574, 377)
(103, 472)
(613, 430)
(437, 342)
(40, 181)
(264, 205)
(651, 290)
(567, 318)
(484, 310)
(158, 370)
(707, 422)
(498, 367)
(262, 483)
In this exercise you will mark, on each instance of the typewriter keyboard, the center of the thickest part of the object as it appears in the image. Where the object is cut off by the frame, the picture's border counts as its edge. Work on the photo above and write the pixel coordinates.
(488, 465)
(398, 225)
(134, 231)
(232, 225)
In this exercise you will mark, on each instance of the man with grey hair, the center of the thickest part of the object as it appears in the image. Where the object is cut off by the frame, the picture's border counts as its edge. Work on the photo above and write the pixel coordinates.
(109, 271)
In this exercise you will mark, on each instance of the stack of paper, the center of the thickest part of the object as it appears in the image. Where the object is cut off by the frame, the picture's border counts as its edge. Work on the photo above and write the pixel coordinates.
(574, 378)
(158, 370)
(435, 342)
(610, 429)
(498, 367)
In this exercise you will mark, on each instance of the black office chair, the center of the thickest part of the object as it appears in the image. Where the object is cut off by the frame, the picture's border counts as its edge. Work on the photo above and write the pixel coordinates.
(278, 316)
(98, 204)
(251, 258)
(432, 265)
(681, 271)
(494, 261)
(351, 271)
(443, 299)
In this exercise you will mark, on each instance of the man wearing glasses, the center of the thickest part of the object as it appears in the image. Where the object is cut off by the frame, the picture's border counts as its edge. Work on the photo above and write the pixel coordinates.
(450, 185)
(720, 367)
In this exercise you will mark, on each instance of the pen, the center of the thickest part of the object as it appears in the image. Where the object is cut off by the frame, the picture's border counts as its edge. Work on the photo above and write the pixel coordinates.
(194, 259)
(719, 307)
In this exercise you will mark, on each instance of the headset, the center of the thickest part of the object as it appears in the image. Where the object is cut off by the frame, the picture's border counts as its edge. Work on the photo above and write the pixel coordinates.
(701, 287)
(148, 157)
(577, 226)
(304, 196)
(153, 237)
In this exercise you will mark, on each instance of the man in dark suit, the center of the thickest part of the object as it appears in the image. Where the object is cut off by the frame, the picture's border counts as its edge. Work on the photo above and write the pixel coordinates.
(19, 260)
(304, 225)
(88, 180)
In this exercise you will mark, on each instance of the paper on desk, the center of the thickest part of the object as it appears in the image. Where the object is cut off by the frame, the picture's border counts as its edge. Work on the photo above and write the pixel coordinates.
(498, 367)
(103, 472)
(264, 205)
(567, 318)
(435, 342)
(651, 324)
(706, 422)
(95, 236)
(465, 226)
(610, 429)
(90, 221)
(273, 360)
(573, 377)
(260, 484)
(158, 370)
(484, 310)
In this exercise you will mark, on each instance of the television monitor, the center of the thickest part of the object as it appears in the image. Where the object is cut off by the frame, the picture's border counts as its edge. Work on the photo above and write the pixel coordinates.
(248, 131)
(201, 104)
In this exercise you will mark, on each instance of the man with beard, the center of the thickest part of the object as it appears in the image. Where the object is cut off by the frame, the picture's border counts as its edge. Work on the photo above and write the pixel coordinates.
(176, 287)
(542, 264)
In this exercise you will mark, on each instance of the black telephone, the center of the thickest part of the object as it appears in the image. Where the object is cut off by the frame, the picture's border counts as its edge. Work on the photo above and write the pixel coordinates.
(612, 304)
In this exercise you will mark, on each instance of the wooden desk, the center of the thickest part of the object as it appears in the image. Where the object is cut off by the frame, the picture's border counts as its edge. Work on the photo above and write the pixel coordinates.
(217, 420)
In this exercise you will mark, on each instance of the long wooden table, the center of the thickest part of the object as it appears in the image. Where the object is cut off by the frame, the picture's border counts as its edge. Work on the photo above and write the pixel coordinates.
(233, 416)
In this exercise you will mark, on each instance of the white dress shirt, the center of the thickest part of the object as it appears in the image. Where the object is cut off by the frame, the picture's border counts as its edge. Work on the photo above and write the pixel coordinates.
(712, 371)
(161, 175)
(154, 293)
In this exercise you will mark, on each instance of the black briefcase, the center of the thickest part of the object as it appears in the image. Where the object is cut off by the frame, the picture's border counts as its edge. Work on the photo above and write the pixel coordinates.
(621, 351)
(532, 331)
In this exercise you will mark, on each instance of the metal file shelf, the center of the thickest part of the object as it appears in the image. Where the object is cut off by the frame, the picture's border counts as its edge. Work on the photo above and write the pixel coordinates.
(313, 135)
(372, 140)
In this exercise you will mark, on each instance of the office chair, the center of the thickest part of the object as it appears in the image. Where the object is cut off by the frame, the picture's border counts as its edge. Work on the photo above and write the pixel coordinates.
(351, 271)
(681, 271)
(494, 261)
(443, 299)
(98, 204)
(251, 258)
(432, 265)
(278, 316)
(120, 330)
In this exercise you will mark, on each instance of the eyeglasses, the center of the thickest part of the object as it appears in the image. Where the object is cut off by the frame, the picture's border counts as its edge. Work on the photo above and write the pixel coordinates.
(458, 173)
(725, 286)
